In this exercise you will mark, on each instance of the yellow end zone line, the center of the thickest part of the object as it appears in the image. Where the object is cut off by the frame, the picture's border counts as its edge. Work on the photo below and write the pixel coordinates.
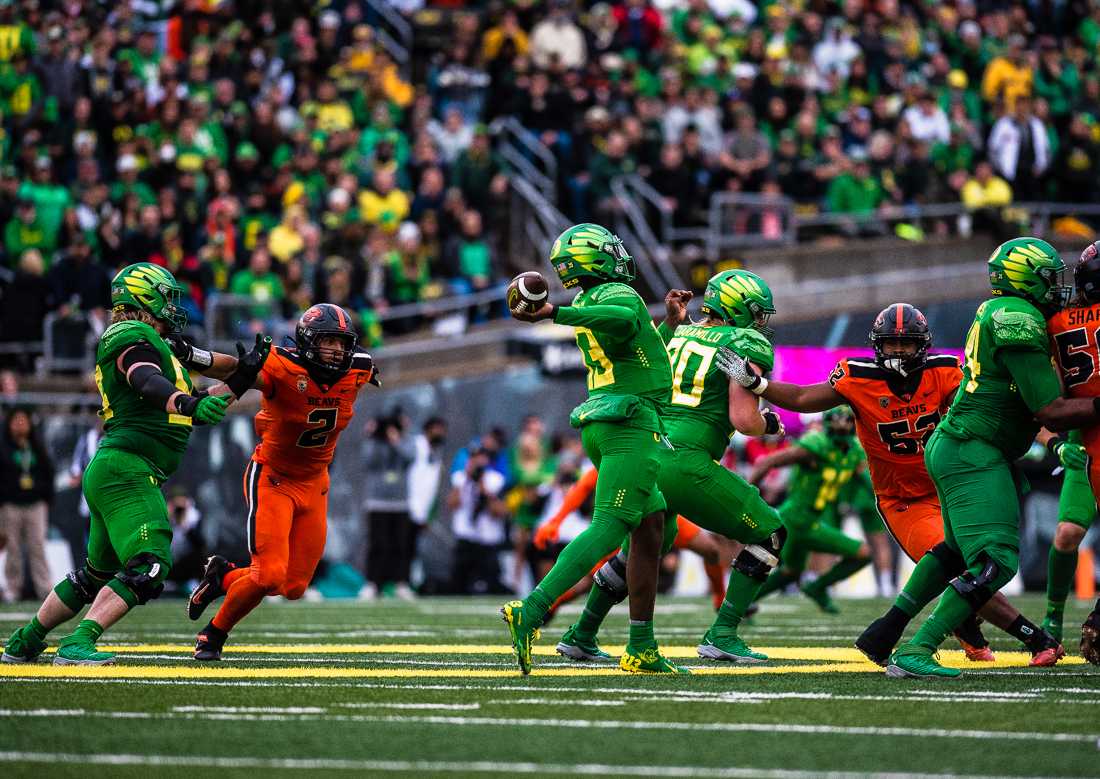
(208, 672)
(807, 653)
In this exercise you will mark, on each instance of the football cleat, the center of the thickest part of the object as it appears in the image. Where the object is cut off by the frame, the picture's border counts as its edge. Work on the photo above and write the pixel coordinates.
(648, 661)
(912, 661)
(879, 640)
(1049, 653)
(730, 648)
(978, 654)
(210, 587)
(582, 650)
(22, 647)
(209, 643)
(76, 650)
(522, 632)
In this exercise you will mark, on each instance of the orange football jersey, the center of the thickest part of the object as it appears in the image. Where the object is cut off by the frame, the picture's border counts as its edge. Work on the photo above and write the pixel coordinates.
(1073, 333)
(300, 420)
(894, 429)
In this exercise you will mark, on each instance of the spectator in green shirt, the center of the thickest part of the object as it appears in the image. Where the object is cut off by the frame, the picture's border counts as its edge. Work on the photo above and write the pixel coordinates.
(128, 182)
(50, 198)
(16, 37)
(474, 258)
(26, 231)
(144, 58)
(21, 91)
(261, 284)
(478, 173)
(407, 272)
(855, 191)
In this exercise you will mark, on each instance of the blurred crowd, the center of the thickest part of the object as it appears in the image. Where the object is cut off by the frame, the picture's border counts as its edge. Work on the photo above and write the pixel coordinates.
(278, 152)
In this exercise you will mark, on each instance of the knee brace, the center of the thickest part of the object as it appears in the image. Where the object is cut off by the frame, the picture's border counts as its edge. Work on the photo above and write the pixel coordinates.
(977, 589)
(80, 587)
(611, 578)
(141, 579)
(952, 562)
(757, 561)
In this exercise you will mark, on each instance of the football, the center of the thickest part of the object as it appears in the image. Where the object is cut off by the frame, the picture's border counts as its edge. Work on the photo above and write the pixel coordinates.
(527, 292)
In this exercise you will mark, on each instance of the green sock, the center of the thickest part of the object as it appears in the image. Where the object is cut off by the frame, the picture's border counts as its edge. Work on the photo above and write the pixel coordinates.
(926, 582)
(777, 581)
(740, 592)
(88, 629)
(641, 634)
(1061, 567)
(837, 573)
(601, 538)
(596, 608)
(948, 615)
(37, 628)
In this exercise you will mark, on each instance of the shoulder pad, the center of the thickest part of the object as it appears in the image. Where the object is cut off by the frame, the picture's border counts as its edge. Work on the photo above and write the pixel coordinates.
(1018, 328)
(126, 333)
(949, 361)
(361, 361)
(613, 291)
(865, 368)
(753, 346)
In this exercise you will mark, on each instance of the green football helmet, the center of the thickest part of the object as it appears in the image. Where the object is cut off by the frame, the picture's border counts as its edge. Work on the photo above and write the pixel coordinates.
(150, 288)
(1029, 268)
(590, 250)
(839, 422)
(741, 298)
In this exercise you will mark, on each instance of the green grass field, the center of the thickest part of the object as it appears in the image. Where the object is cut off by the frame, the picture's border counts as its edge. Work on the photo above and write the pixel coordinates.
(430, 689)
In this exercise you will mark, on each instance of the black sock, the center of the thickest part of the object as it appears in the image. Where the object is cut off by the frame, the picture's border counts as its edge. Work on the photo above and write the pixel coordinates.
(970, 632)
(214, 634)
(896, 618)
(1028, 632)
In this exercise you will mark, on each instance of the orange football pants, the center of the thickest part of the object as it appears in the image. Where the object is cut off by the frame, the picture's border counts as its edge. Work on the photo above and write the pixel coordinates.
(686, 531)
(287, 524)
(915, 523)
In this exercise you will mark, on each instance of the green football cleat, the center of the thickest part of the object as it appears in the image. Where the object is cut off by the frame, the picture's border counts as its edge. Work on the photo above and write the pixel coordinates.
(523, 631)
(582, 650)
(74, 650)
(729, 647)
(1054, 627)
(913, 661)
(648, 661)
(821, 598)
(22, 647)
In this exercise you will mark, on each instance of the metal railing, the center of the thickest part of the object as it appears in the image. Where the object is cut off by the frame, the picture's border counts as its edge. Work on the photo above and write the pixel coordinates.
(53, 362)
(651, 255)
(395, 33)
(535, 223)
(519, 147)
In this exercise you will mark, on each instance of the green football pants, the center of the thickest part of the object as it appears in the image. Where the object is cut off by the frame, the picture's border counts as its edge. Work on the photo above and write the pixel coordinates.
(1076, 503)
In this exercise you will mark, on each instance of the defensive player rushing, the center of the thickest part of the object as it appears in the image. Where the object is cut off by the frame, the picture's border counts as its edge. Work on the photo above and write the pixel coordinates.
(629, 385)
(308, 398)
(824, 462)
(148, 411)
(898, 399)
(1009, 388)
(1073, 332)
(706, 408)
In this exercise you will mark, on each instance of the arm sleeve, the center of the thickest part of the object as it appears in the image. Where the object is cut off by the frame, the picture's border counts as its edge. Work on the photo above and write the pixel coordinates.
(141, 366)
(1034, 376)
(575, 497)
(619, 322)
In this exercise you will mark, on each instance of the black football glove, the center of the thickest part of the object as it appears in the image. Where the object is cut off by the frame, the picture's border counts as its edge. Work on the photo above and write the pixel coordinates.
(1090, 637)
(249, 365)
(191, 356)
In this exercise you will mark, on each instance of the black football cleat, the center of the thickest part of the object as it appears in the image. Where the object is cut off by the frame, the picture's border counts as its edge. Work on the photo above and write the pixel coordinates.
(210, 587)
(879, 640)
(209, 643)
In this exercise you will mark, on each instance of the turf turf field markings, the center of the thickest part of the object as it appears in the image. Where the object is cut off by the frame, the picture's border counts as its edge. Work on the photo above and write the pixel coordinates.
(250, 709)
(427, 766)
(442, 706)
(722, 727)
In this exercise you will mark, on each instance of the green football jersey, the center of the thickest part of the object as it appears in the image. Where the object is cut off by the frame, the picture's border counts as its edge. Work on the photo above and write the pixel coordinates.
(988, 405)
(698, 416)
(635, 366)
(815, 487)
(129, 422)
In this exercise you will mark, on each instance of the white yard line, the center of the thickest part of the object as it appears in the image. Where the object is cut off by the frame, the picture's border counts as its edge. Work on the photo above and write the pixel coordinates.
(426, 766)
(723, 727)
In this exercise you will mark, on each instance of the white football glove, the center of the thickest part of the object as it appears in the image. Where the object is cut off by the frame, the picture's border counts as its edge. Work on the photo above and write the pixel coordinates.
(739, 371)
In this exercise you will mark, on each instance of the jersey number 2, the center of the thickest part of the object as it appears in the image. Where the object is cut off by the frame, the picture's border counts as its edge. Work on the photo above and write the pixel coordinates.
(323, 421)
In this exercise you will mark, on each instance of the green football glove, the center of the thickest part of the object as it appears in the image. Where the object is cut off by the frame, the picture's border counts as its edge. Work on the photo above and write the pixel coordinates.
(210, 410)
(1072, 456)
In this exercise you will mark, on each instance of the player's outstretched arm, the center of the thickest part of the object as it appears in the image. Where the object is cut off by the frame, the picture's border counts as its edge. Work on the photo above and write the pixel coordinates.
(1069, 451)
(792, 455)
(745, 414)
(140, 364)
(1041, 391)
(794, 397)
(211, 364)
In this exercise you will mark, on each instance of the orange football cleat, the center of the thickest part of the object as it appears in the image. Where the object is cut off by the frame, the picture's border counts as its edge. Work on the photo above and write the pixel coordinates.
(977, 654)
(1045, 658)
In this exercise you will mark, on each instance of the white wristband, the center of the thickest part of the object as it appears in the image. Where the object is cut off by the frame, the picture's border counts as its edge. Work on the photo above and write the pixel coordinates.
(761, 387)
(201, 357)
